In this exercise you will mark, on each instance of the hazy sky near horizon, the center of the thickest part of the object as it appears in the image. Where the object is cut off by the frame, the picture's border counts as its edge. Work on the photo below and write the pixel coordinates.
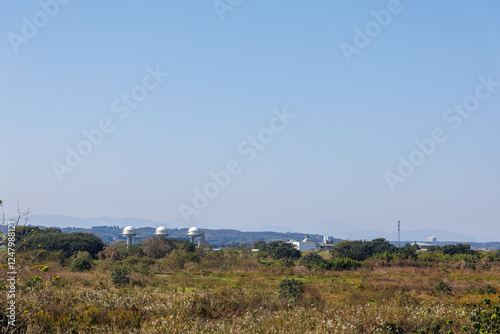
(313, 110)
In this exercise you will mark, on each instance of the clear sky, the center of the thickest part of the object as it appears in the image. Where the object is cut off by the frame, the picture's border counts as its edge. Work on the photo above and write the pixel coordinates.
(356, 84)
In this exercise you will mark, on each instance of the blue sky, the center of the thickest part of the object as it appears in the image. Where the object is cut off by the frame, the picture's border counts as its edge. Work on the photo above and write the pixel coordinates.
(353, 119)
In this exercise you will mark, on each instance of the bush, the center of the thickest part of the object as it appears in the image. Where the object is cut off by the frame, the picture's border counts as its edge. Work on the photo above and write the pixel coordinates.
(443, 287)
(469, 265)
(454, 249)
(344, 264)
(35, 282)
(119, 276)
(176, 259)
(115, 251)
(135, 250)
(407, 252)
(282, 250)
(260, 245)
(361, 250)
(433, 256)
(487, 289)
(42, 256)
(487, 321)
(314, 261)
(156, 248)
(84, 255)
(81, 264)
(291, 289)
(68, 243)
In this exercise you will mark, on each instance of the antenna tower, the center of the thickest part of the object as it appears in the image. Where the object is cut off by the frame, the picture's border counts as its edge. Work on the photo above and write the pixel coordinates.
(399, 232)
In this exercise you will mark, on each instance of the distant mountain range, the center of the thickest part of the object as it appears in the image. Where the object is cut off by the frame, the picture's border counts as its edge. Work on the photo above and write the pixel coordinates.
(334, 228)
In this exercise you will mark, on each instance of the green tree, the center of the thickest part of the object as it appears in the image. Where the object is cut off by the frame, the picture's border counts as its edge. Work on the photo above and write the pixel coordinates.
(156, 248)
(314, 261)
(407, 252)
(260, 245)
(81, 264)
(291, 289)
(361, 250)
(68, 243)
(119, 276)
(282, 250)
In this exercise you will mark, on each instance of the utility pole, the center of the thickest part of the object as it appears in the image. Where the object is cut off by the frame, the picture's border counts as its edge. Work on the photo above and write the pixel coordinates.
(399, 232)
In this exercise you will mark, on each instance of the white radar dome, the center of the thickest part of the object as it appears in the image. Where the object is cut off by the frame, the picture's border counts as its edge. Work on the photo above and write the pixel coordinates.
(162, 230)
(129, 230)
(193, 231)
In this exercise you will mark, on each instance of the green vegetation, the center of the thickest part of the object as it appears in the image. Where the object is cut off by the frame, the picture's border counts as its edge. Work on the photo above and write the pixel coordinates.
(50, 239)
(170, 286)
(119, 276)
(281, 250)
(290, 289)
(80, 264)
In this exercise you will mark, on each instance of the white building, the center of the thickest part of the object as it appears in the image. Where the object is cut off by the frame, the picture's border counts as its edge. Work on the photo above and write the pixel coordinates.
(196, 236)
(305, 245)
(328, 240)
(432, 239)
(129, 232)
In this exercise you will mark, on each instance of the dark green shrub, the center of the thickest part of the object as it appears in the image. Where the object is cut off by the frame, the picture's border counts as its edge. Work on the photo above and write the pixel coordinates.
(81, 264)
(286, 263)
(291, 289)
(42, 256)
(119, 276)
(68, 243)
(282, 250)
(35, 282)
(469, 265)
(389, 327)
(188, 247)
(456, 249)
(314, 261)
(361, 250)
(135, 250)
(260, 245)
(486, 321)
(443, 287)
(487, 289)
(344, 264)
(407, 252)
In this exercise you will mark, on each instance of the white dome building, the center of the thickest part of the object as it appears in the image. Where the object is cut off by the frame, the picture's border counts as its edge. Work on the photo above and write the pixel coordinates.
(193, 232)
(161, 231)
(196, 236)
(129, 232)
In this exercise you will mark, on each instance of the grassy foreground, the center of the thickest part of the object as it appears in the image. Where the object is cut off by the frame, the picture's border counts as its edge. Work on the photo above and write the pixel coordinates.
(236, 291)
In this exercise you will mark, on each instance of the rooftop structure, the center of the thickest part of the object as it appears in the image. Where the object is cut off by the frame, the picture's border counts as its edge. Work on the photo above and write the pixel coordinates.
(161, 231)
(307, 239)
(129, 232)
(196, 236)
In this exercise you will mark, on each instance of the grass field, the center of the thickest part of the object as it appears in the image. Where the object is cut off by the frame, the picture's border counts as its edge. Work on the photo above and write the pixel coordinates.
(239, 292)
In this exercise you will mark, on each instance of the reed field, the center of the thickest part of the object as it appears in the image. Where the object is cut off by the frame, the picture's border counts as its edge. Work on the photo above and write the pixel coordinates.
(240, 291)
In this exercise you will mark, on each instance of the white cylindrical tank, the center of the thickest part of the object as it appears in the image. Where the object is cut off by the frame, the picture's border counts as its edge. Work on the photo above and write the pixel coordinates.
(194, 232)
(129, 230)
(161, 231)
(130, 233)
